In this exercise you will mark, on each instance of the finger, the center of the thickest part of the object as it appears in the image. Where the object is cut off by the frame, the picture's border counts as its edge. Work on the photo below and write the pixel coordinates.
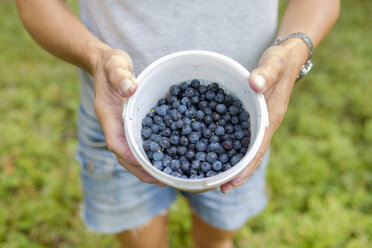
(119, 72)
(140, 173)
(113, 129)
(268, 72)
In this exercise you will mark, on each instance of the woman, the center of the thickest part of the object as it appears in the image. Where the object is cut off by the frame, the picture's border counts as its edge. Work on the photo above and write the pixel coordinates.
(114, 41)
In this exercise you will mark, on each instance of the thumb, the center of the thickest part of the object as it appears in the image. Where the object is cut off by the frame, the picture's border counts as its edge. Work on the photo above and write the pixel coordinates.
(120, 75)
(267, 74)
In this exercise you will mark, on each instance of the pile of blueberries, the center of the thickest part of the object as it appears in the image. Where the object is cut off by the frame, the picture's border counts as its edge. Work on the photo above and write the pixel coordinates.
(196, 131)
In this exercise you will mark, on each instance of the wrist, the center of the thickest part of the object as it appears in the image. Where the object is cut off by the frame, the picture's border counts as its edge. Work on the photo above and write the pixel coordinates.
(95, 53)
(297, 49)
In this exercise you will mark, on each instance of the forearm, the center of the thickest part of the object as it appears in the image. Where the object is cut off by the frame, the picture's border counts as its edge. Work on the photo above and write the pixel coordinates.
(312, 17)
(54, 27)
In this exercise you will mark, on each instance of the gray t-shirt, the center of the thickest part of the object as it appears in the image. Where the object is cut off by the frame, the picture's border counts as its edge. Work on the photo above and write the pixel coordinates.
(148, 30)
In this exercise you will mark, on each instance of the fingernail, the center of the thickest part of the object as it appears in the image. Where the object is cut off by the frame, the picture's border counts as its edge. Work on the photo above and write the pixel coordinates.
(228, 188)
(125, 86)
(259, 82)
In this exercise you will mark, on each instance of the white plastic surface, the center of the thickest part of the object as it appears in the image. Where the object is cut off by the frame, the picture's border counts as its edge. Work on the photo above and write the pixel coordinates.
(175, 68)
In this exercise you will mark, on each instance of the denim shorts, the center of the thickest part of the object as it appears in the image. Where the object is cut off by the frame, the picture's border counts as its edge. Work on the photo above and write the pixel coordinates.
(115, 200)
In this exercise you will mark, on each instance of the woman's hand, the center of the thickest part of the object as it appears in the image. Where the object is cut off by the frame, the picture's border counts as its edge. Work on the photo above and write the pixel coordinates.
(274, 77)
(114, 82)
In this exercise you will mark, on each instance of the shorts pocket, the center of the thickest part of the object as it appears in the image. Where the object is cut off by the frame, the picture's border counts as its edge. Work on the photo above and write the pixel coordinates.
(98, 178)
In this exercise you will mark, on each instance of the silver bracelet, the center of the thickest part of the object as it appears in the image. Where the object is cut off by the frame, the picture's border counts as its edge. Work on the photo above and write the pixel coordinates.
(308, 64)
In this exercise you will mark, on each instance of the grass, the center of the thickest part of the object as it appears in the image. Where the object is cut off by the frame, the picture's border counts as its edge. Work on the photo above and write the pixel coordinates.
(319, 177)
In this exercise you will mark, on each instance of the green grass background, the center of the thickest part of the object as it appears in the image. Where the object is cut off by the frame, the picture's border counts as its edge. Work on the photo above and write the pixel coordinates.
(319, 177)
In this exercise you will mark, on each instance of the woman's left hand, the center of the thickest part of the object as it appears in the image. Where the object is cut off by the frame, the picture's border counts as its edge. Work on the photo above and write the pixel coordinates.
(274, 77)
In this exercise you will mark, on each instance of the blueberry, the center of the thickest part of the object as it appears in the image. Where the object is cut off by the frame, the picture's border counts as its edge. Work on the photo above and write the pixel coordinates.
(190, 154)
(207, 133)
(234, 160)
(216, 117)
(186, 130)
(245, 141)
(243, 150)
(223, 158)
(175, 165)
(185, 166)
(214, 86)
(166, 132)
(187, 121)
(231, 153)
(234, 120)
(191, 146)
(158, 155)
(244, 115)
(167, 170)
(219, 131)
(190, 92)
(155, 137)
(184, 141)
(167, 161)
(182, 108)
(237, 144)
(205, 167)
(155, 128)
(233, 110)
(146, 132)
(190, 114)
(151, 114)
(226, 166)
(195, 100)
(147, 122)
(238, 127)
(219, 98)
(193, 176)
(200, 146)
(247, 133)
(195, 84)
(203, 104)
(211, 174)
(202, 89)
(196, 126)
(200, 115)
(217, 165)
(184, 85)
(162, 126)
(174, 139)
(228, 100)
(214, 138)
(227, 144)
(207, 111)
(200, 156)
(221, 122)
(210, 95)
(164, 142)
(195, 165)
(229, 128)
(168, 122)
(158, 119)
(162, 110)
(154, 146)
(212, 105)
(226, 117)
(159, 165)
(220, 108)
(186, 101)
(237, 103)
(146, 145)
(214, 147)
(172, 151)
(246, 124)
(212, 127)
(149, 154)
(239, 135)
(175, 90)
(194, 137)
(211, 157)
(181, 150)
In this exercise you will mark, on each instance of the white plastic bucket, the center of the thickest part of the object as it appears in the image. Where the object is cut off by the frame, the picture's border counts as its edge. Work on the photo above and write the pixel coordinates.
(154, 83)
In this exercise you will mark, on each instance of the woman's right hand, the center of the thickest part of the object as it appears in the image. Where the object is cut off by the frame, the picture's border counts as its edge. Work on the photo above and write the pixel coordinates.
(114, 82)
